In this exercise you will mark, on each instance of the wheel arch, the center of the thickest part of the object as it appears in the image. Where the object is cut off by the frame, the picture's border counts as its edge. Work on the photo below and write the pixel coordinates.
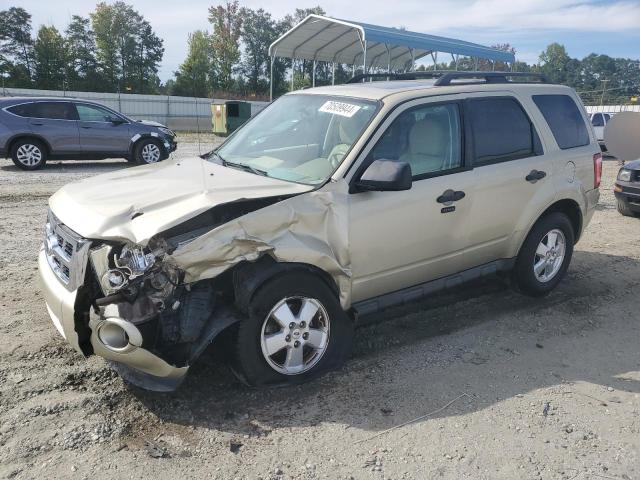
(140, 137)
(20, 136)
(567, 206)
(248, 277)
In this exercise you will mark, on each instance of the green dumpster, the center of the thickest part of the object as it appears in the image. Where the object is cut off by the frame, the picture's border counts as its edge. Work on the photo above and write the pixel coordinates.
(228, 116)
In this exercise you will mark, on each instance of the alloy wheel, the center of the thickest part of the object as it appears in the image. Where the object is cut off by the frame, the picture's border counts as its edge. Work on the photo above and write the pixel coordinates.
(150, 153)
(295, 335)
(29, 155)
(549, 255)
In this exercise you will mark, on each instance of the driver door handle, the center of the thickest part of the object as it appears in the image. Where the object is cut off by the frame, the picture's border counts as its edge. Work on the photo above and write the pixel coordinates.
(450, 196)
(535, 175)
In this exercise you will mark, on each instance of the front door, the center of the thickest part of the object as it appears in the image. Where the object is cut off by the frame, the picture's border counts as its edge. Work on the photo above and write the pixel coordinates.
(400, 239)
(102, 131)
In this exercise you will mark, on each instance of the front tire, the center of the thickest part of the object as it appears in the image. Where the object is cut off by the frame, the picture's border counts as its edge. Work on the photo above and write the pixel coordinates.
(545, 255)
(147, 151)
(295, 330)
(29, 154)
(623, 209)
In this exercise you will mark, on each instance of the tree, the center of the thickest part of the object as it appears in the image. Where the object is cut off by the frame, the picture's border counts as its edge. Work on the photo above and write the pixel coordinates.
(128, 50)
(82, 68)
(193, 77)
(49, 59)
(16, 45)
(227, 24)
(259, 30)
(558, 66)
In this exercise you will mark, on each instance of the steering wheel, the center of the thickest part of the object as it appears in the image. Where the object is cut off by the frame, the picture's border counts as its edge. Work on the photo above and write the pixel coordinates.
(337, 154)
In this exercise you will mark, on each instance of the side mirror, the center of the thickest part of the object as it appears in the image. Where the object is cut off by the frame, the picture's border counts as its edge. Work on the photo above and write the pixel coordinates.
(385, 176)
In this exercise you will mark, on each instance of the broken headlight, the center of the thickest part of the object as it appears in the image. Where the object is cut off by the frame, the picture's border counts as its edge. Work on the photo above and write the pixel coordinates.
(115, 270)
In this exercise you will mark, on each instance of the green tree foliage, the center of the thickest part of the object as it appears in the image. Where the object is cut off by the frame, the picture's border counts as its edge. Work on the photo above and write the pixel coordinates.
(258, 31)
(16, 46)
(128, 50)
(193, 78)
(227, 27)
(50, 59)
(82, 69)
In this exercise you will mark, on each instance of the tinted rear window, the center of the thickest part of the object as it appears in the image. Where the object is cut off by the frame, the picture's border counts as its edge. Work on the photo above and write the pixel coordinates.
(564, 119)
(53, 110)
(501, 131)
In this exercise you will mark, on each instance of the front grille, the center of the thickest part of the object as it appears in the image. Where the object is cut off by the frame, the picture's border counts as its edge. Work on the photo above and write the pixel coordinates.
(66, 252)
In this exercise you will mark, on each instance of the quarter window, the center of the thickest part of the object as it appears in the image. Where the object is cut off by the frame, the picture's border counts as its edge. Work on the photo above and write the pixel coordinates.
(501, 131)
(428, 138)
(564, 119)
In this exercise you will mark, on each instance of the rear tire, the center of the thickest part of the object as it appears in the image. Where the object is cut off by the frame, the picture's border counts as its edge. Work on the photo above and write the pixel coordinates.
(29, 154)
(545, 255)
(282, 340)
(624, 209)
(147, 151)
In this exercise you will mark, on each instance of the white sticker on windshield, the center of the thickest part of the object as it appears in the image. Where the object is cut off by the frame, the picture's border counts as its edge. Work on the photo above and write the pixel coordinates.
(339, 108)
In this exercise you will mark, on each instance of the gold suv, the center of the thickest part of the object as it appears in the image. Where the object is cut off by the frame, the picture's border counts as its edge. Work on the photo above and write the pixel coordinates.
(332, 203)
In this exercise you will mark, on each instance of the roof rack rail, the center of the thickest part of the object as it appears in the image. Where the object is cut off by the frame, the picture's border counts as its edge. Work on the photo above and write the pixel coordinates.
(446, 77)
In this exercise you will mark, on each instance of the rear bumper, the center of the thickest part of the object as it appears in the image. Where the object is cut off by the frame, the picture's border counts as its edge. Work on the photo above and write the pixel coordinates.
(592, 197)
(138, 362)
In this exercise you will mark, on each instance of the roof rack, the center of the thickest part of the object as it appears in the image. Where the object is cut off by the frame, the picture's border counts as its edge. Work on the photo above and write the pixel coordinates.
(446, 77)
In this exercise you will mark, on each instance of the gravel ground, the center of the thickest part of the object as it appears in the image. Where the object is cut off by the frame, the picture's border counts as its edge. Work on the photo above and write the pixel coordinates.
(499, 385)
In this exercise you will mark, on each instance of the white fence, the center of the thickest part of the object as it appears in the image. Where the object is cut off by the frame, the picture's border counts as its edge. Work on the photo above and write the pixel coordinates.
(612, 108)
(178, 113)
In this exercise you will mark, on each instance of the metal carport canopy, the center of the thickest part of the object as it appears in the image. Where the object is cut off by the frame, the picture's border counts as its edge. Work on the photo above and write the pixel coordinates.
(328, 39)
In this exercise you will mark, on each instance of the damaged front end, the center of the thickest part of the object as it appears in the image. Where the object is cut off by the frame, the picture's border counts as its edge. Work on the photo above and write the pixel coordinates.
(143, 317)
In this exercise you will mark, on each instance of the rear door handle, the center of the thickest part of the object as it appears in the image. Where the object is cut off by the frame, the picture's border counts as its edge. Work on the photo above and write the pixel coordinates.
(37, 124)
(450, 196)
(84, 126)
(535, 175)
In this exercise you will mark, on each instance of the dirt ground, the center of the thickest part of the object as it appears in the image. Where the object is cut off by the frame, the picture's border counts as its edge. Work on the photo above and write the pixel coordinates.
(502, 386)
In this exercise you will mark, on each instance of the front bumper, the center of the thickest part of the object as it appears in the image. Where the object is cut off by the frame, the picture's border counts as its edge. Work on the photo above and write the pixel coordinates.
(60, 304)
(628, 192)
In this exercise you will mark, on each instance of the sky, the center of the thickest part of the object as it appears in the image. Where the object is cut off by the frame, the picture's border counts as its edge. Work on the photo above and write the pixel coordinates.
(609, 27)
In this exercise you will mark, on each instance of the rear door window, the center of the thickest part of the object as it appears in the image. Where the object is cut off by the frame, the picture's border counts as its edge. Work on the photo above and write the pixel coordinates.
(501, 130)
(53, 110)
(564, 119)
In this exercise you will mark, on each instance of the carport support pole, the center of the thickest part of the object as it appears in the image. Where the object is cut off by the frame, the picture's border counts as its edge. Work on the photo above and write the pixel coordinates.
(333, 73)
(293, 71)
(271, 81)
(313, 75)
(413, 60)
(364, 59)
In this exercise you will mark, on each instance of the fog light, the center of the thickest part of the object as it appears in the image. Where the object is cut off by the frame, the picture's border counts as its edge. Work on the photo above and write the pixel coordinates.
(113, 336)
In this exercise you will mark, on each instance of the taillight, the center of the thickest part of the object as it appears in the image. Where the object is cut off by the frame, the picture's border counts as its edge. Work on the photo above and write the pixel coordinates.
(597, 170)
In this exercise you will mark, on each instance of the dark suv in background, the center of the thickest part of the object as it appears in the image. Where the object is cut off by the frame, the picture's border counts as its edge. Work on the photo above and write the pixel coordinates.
(33, 130)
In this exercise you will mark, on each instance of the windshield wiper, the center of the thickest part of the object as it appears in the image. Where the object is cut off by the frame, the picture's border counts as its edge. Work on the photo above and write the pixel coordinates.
(243, 166)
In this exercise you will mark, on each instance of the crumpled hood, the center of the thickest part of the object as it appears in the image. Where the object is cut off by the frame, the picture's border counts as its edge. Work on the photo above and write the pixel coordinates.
(134, 204)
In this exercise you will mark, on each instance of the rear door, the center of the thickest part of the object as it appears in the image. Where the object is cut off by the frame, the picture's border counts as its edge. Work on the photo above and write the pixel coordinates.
(102, 131)
(513, 176)
(56, 123)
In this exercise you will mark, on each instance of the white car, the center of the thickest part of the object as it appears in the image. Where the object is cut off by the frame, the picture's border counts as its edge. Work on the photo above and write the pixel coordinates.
(598, 121)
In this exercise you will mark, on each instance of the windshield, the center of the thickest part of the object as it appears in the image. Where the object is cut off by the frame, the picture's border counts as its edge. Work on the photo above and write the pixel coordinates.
(299, 138)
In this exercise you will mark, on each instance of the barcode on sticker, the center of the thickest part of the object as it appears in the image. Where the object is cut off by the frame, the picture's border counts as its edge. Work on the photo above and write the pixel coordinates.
(339, 108)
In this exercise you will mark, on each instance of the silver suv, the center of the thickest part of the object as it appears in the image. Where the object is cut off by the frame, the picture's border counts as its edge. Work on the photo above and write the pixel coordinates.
(33, 130)
(332, 203)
